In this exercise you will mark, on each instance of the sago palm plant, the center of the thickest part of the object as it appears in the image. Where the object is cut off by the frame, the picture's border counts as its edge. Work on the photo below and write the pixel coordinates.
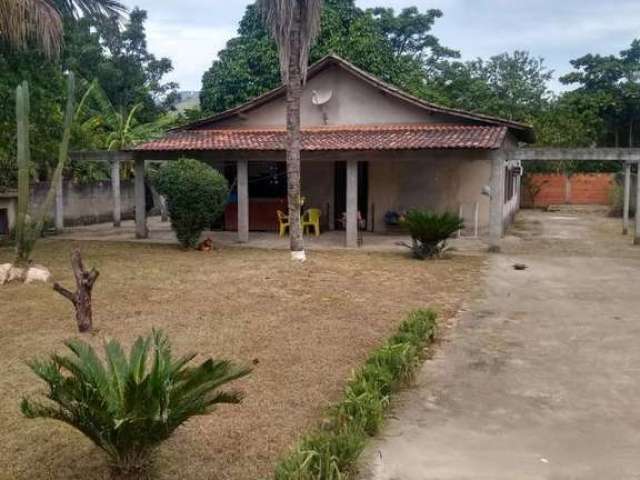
(429, 231)
(128, 405)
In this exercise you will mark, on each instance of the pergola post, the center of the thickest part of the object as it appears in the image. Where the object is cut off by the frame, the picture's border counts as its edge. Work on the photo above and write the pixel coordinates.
(496, 205)
(59, 213)
(115, 188)
(627, 197)
(243, 200)
(636, 234)
(352, 204)
(141, 213)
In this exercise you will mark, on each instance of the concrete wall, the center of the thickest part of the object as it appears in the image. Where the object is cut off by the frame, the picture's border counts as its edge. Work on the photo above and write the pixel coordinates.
(317, 180)
(85, 204)
(434, 180)
(353, 102)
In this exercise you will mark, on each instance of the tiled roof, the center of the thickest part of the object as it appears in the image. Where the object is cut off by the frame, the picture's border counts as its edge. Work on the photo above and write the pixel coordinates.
(362, 137)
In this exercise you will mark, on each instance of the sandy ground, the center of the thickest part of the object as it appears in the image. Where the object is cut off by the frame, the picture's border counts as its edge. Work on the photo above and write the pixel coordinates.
(306, 326)
(539, 379)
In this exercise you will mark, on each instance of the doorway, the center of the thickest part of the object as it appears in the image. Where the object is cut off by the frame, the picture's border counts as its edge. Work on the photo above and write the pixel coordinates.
(340, 192)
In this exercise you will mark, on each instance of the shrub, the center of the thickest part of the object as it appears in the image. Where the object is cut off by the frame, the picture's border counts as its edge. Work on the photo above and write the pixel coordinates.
(128, 406)
(330, 452)
(429, 231)
(196, 195)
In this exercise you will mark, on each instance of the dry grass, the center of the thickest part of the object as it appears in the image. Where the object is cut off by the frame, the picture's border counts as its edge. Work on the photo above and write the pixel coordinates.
(307, 326)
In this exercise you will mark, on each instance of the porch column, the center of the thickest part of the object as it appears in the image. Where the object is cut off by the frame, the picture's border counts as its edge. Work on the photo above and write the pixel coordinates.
(636, 236)
(243, 201)
(627, 198)
(352, 203)
(496, 206)
(59, 213)
(141, 213)
(115, 188)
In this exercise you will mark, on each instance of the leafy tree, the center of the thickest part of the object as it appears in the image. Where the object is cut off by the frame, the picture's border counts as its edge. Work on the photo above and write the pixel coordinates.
(409, 35)
(196, 195)
(613, 82)
(46, 86)
(119, 60)
(248, 66)
(128, 406)
(509, 85)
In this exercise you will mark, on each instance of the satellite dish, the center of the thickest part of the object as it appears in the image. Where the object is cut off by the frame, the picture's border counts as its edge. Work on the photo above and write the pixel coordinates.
(321, 98)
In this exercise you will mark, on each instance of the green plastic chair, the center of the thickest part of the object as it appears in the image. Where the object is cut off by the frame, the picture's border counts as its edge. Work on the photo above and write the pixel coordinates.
(311, 218)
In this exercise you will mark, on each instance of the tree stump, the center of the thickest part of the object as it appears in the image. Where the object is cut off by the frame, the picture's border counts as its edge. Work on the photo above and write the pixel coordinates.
(81, 299)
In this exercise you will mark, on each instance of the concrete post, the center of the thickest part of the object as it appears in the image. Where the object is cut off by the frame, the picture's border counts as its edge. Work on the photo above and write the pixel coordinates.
(59, 213)
(627, 198)
(352, 204)
(636, 236)
(243, 201)
(496, 206)
(115, 187)
(141, 213)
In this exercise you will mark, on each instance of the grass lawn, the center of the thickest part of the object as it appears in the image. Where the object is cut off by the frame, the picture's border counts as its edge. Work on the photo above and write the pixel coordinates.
(304, 326)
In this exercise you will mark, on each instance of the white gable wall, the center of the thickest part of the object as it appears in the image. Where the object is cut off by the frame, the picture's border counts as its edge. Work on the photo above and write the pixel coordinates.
(354, 102)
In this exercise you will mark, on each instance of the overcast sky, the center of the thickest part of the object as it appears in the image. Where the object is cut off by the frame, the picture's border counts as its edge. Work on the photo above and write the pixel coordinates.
(191, 32)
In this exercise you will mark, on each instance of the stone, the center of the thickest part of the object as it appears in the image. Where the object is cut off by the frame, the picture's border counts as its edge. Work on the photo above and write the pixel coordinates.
(5, 268)
(37, 273)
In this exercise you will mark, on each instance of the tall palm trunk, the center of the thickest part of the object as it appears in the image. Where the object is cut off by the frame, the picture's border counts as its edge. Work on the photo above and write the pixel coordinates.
(294, 93)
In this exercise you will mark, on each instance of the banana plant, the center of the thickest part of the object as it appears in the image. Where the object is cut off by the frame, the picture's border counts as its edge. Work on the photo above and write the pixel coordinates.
(29, 224)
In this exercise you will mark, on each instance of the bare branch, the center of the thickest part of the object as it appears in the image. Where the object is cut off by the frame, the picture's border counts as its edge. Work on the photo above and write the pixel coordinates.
(64, 292)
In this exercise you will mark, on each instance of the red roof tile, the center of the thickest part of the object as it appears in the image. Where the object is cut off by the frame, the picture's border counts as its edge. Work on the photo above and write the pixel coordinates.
(362, 137)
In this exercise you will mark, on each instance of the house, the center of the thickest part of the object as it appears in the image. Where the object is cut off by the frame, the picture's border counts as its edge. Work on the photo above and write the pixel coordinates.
(369, 152)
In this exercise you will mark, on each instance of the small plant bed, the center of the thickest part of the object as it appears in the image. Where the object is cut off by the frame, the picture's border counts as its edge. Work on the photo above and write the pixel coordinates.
(331, 451)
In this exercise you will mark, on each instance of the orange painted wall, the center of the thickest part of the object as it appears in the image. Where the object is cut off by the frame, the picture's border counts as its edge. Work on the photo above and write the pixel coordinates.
(585, 189)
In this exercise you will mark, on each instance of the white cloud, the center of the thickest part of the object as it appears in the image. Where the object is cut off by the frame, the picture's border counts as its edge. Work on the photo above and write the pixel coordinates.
(191, 49)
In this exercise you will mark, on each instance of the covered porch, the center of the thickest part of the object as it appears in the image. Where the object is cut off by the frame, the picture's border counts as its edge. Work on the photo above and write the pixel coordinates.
(361, 179)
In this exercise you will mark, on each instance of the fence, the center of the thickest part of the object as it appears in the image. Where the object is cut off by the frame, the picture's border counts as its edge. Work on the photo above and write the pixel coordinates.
(90, 203)
(544, 189)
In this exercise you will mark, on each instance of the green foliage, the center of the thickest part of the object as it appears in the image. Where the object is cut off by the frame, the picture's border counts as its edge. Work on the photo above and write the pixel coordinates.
(397, 48)
(196, 195)
(128, 406)
(330, 452)
(104, 50)
(429, 231)
(612, 85)
(46, 89)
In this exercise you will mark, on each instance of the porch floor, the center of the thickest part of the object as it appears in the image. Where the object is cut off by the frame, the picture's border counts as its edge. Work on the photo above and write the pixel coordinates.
(160, 232)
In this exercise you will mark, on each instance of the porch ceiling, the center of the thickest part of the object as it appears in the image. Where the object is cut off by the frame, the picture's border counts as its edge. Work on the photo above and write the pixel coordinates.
(335, 138)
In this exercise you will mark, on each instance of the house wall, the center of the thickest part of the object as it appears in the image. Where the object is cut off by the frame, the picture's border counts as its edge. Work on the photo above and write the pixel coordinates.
(439, 181)
(353, 102)
(317, 179)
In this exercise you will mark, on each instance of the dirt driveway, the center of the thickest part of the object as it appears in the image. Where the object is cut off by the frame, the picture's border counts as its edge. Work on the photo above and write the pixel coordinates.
(540, 378)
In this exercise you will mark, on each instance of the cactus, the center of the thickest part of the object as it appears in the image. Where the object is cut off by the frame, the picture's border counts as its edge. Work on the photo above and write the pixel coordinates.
(28, 226)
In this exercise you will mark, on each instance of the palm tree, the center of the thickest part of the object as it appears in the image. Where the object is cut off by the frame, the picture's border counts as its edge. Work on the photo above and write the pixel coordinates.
(40, 21)
(294, 25)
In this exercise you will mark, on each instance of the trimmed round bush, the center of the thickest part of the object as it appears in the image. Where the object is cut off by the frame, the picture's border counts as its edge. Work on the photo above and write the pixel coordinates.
(195, 194)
